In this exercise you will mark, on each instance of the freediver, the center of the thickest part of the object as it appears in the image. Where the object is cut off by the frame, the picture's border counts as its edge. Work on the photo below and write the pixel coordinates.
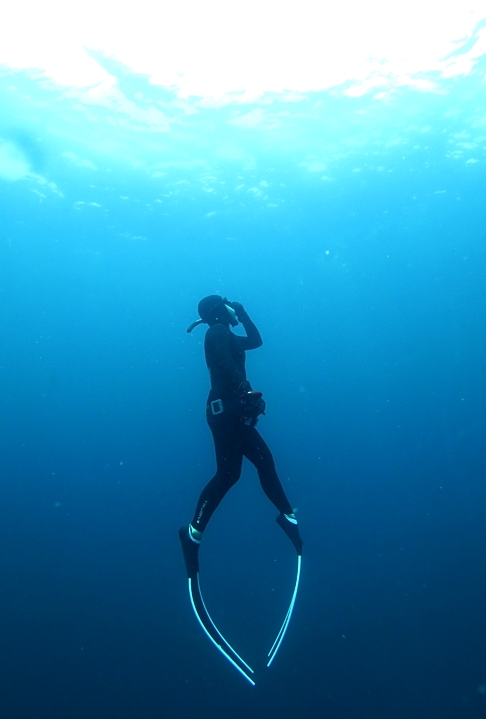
(232, 412)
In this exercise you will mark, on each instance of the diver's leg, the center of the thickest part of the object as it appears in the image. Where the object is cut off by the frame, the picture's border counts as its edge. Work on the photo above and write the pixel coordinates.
(229, 457)
(257, 451)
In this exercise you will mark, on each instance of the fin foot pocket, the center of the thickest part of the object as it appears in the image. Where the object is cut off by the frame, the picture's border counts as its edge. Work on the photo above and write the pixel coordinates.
(190, 550)
(291, 529)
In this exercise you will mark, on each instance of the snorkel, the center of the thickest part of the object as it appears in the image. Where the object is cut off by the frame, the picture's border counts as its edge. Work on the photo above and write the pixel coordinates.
(194, 324)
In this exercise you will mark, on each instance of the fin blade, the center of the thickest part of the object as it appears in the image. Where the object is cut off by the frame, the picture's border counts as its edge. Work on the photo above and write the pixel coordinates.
(278, 641)
(213, 632)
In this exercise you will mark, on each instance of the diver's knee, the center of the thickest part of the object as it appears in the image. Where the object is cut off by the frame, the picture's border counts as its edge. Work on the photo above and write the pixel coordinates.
(225, 480)
(266, 466)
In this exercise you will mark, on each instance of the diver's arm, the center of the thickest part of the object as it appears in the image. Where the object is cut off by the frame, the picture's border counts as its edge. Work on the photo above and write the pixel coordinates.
(253, 338)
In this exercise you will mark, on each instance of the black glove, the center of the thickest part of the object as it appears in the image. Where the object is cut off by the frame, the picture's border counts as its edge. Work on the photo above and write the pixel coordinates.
(241, 313)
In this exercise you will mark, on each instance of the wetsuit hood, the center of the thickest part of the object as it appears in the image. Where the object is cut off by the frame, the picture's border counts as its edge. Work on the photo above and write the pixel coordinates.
(214, 309)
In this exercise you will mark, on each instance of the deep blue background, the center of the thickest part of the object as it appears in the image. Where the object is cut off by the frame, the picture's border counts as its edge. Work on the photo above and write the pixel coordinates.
(369, 293)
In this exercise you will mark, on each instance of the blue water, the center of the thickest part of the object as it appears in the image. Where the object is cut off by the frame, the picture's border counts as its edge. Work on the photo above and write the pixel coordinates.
(353, 231)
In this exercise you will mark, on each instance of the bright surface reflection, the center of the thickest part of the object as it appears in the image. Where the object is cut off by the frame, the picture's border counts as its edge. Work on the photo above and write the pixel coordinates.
(215, 48)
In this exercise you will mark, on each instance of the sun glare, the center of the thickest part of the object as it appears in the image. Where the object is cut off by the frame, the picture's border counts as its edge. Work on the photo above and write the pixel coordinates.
(211, 49)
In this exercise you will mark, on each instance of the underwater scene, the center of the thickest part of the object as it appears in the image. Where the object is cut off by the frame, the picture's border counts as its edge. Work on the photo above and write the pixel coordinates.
(323, 170)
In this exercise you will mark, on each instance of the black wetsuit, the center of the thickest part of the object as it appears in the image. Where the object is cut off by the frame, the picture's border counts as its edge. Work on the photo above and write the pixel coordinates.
(233, 439)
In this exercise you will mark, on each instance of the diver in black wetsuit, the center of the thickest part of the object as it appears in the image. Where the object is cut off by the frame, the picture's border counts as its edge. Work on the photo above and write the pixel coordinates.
(232, 412)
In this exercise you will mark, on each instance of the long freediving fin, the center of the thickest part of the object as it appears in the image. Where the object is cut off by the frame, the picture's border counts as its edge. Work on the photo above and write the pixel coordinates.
(289, 526)
(190, 550)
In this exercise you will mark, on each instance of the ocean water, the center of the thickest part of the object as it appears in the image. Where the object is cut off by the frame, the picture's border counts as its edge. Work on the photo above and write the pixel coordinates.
(353, 230)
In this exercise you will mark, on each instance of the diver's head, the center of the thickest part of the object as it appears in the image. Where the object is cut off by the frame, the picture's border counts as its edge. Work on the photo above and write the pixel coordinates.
(215, 310)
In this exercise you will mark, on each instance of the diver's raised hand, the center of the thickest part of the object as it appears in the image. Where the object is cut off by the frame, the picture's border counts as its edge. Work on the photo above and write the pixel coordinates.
(241, 313)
